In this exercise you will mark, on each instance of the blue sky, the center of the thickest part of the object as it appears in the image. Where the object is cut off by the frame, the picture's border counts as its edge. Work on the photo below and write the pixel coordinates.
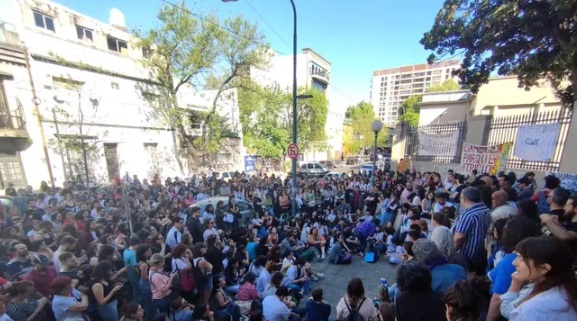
(357, 36)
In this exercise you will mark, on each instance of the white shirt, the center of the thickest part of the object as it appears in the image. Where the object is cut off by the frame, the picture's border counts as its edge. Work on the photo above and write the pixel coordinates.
(549, 305)
(274, 309)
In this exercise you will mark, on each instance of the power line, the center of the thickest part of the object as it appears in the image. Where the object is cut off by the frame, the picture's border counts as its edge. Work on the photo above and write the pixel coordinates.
(269, 25)
(288, 45)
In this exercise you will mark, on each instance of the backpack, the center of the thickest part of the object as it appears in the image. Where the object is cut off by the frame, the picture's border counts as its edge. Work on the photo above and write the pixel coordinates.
(354, 314)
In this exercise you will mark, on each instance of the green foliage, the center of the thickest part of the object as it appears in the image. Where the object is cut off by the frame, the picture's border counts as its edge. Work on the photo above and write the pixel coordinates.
(447, 85)
(266, 118)
(189, 52)
(360, 117)
(532, 39)
(411, 107)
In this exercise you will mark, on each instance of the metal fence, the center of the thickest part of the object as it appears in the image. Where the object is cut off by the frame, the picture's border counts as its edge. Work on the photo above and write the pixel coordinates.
(412, 141)
(504, 130)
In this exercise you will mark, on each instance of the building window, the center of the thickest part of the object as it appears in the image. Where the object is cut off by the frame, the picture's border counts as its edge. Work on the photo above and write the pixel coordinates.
(44, 21)
(117, 45)
(84, 34)
(146, 52)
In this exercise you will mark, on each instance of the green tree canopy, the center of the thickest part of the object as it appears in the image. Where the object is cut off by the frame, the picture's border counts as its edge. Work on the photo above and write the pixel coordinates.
(532, 39)
(266, 117)
(360, 117)
(183, 50)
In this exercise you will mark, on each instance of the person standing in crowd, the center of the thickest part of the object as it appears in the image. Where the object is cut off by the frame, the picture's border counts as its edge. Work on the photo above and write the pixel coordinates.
(470, 229)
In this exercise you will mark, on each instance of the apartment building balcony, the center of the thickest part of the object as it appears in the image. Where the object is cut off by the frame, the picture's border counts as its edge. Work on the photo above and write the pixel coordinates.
(11, 49)
(320, 75)
(13, 133)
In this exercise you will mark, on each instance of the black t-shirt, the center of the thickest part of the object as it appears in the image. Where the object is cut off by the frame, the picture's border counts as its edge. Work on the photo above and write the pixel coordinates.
(572, 226)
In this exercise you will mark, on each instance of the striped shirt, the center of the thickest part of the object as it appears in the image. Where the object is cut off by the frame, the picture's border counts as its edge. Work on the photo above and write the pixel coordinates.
(473, 224)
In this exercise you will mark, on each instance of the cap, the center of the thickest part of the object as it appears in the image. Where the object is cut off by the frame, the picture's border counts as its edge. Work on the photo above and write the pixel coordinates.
(42, 260)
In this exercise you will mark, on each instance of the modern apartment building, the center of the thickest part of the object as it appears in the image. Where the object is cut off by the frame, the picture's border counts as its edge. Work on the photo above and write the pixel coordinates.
(390, 87)
(89, 89)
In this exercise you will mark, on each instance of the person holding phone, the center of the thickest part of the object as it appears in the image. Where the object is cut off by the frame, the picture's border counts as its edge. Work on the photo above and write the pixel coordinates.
(160, 283)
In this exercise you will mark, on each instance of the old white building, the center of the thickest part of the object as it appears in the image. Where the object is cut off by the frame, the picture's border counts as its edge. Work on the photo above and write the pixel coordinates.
(88, 86)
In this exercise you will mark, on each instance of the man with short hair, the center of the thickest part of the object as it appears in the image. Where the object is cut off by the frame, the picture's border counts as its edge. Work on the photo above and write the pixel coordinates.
(67, 244)
(274, 308)
(557, 200)
(317, 308)
(296, 278)
(566, 231)
(41, 275)
(501, 208)
(68, 265)
(21, 263)
(470, 229)
(194, 225)
(525, 189)
(174, 235)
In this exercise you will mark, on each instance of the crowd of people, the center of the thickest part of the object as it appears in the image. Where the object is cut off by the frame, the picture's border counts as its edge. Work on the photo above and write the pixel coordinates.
(468, 248)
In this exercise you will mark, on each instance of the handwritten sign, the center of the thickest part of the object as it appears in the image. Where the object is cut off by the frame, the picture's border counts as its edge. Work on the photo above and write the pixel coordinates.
(438, 144)
(568, 181)
(536, 143)
(485, 159)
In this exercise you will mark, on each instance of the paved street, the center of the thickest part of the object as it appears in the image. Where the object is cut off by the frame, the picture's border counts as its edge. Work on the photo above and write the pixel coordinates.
(336, 278)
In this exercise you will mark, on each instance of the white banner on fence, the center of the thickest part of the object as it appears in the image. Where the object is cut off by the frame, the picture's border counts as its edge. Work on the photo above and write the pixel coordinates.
(536, 143)
(568, 181)
(438, 144)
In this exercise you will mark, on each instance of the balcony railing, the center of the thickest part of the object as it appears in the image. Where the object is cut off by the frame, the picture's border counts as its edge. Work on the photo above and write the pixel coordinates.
(321, 73)
(14, 119)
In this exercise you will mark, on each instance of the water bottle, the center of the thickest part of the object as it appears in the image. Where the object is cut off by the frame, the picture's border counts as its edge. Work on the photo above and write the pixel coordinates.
(384, 283)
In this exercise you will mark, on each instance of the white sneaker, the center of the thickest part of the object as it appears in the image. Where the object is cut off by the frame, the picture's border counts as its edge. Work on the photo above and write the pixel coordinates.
(323, 256)
(320, 275)
(314, 278)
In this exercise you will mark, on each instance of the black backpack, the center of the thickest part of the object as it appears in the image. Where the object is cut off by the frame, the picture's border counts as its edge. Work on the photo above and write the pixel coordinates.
(354, 314)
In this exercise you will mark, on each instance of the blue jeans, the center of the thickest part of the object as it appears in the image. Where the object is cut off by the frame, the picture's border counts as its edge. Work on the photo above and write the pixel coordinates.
(232, 289)
(362, 240)
(146, 300)
(306, 287)
(108, 311)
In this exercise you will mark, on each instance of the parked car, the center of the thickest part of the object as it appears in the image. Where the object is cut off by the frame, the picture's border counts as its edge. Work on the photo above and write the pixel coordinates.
(246, 208)
(366, 168)
(328, 164)
(312, 169)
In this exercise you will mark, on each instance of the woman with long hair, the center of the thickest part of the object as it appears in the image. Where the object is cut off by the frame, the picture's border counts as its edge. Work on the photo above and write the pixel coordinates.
(356, 300)
(221, 304)
(22, 306)
(546, 262)
(247, 290)
(203, 277)
(143, 254)
(105, 291)
(317, 241)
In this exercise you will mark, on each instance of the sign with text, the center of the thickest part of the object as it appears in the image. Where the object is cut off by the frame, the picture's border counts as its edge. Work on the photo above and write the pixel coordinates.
(568, 181)
(438, 144)
(485, 159)
(250, 164)
(536, 143)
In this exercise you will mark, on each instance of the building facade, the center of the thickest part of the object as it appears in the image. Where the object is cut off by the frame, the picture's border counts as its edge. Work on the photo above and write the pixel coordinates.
(391, 87)
(76, 88)
(500, 97)
(313, 71)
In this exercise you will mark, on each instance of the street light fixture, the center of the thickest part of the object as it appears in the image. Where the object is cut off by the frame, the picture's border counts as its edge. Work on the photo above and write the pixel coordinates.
(294, 129)
(376, 126)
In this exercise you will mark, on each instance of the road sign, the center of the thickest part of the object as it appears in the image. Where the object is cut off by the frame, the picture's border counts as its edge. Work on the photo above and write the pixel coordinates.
(293, 151)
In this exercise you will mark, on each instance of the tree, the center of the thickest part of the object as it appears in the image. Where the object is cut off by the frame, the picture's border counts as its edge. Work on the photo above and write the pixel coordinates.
(360, 117)
(266, 117)
(532, 39)
(75, 142)
(185, 51)
(411, 107)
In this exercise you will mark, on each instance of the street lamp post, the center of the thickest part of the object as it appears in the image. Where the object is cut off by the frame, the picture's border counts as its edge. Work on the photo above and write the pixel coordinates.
(294, 125)
(376, 126)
